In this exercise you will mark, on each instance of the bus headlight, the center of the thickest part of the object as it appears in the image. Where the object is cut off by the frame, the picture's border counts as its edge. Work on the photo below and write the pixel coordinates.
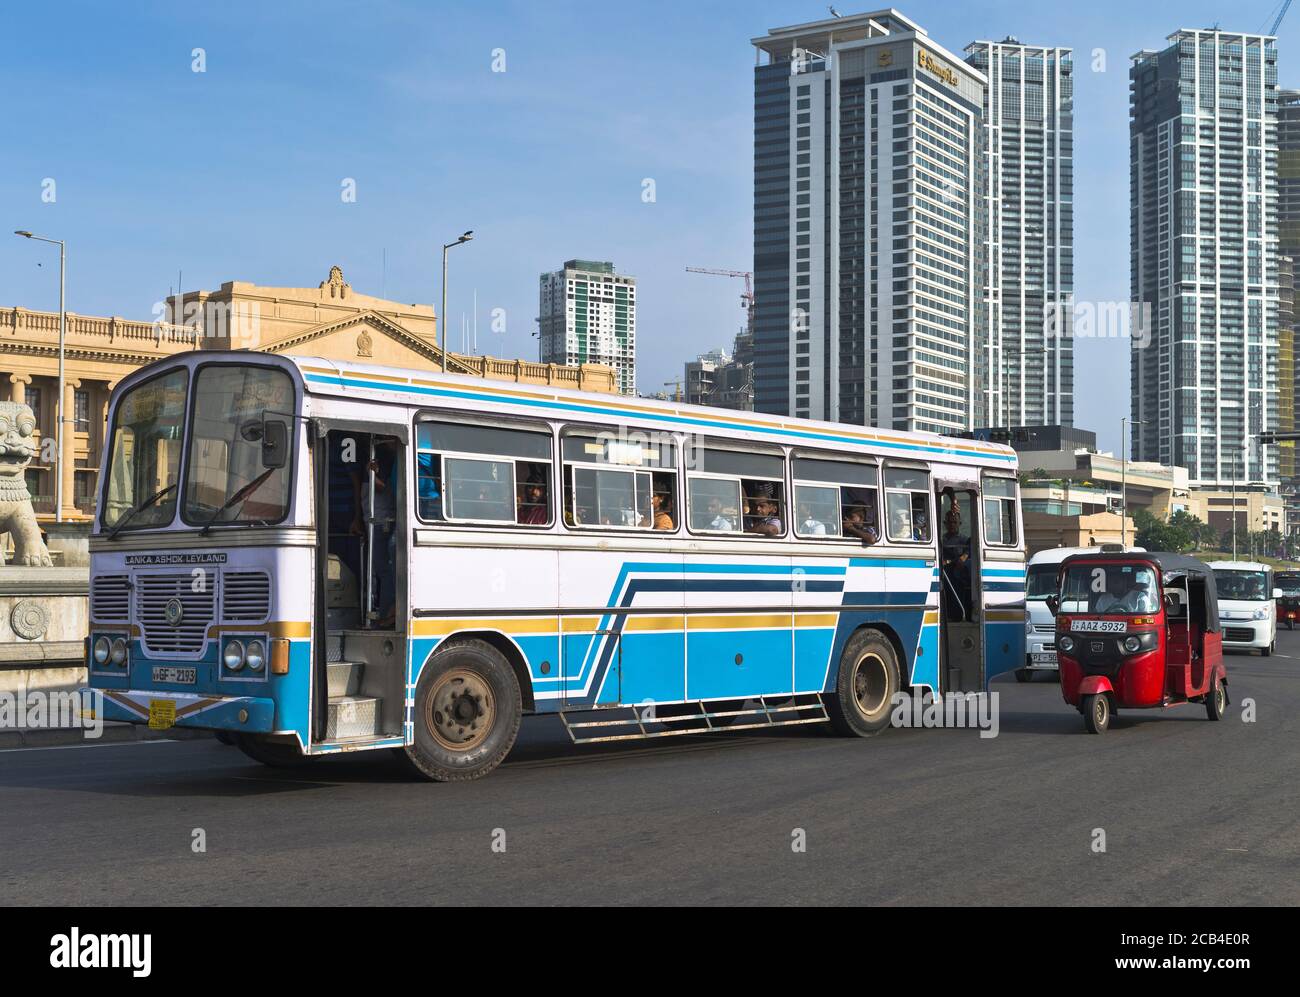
(103, 648)
(255, 656)
(234, 656)
(117, 651)
(1066, 644)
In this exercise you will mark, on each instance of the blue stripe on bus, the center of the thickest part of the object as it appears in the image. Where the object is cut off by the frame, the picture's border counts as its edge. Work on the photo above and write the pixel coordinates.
(345, 382)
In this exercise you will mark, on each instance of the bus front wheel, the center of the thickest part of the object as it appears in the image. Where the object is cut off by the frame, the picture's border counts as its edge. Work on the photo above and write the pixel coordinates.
(866, 685)
(468, 709)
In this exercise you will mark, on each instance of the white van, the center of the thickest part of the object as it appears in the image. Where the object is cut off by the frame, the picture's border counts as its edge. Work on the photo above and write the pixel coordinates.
(1247, 605)
(1040, 624)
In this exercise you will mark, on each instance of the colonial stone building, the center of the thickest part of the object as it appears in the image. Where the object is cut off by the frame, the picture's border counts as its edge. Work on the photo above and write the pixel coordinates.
(330, 320)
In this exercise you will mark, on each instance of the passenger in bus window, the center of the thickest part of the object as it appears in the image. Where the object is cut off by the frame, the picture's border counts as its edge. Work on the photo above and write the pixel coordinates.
(532, 507)
(427, 485)
(808, 525)
(662, 503)
(717, 518)
(766, 518)
(920, 519)
(856, 524)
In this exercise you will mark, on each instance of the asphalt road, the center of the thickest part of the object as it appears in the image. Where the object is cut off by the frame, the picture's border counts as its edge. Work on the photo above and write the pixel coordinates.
(1193, 813)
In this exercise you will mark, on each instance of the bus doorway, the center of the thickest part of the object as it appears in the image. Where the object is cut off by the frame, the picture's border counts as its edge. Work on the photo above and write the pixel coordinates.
(360, 677)
(960, 626)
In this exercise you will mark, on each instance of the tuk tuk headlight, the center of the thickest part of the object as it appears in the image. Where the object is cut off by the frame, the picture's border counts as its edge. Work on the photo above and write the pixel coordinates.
(233, 656)
(1066, 644)
(117, 651)
(1132, 644)
(255, 656)
(102, 649)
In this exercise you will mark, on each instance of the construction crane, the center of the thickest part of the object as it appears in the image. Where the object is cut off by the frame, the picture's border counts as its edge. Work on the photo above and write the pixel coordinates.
(1286, 5)
(747, 297)
(677, 389)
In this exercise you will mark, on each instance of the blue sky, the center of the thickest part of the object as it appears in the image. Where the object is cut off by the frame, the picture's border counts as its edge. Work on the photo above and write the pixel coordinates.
(236, 172)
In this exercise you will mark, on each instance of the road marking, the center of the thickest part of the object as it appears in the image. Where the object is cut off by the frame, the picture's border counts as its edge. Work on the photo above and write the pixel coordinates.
(106, 744)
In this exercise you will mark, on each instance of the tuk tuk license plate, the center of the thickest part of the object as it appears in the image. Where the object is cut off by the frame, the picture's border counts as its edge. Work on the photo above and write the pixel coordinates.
(162, 714)
(176, 676)
(1099, 626)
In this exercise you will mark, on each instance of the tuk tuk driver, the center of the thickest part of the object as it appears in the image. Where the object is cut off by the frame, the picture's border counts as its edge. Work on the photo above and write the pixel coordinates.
(1140, 598)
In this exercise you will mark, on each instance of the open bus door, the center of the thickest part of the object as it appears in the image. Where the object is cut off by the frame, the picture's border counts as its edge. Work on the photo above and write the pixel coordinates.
(961, 636)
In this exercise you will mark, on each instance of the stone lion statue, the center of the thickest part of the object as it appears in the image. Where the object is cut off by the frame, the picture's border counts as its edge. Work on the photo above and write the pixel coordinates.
(17, 447)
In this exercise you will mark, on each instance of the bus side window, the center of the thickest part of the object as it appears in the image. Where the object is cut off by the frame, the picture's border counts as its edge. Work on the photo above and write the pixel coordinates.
(835, 498)
(907, 504)
(471, 473)
(714, 504)
(618, 479)
(999, 511)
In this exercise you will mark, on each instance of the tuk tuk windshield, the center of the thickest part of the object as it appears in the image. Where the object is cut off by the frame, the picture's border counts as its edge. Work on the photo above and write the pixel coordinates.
(1119, 589)
(1245, 586)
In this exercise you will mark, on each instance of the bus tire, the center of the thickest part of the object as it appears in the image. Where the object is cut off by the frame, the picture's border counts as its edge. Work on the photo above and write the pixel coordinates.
(276, 754)
(865, 686)
(468, 709)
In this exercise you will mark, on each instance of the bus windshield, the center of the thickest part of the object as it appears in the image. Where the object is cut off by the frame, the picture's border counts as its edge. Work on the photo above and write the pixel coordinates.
(1119, 589)
(145, 454)
(1248, 586)
(226, 480)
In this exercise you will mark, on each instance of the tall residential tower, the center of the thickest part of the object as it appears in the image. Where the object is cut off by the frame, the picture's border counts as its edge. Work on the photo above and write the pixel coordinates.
(869, 222)
(587, 314)
(1028, 351)
(1203, 186)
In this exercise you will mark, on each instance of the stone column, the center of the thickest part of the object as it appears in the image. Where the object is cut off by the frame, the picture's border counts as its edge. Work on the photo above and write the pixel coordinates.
(68, 458)
(18, 387)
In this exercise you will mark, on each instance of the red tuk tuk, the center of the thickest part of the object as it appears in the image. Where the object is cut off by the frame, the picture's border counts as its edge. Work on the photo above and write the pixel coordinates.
(1288, 603)
(1138, 630)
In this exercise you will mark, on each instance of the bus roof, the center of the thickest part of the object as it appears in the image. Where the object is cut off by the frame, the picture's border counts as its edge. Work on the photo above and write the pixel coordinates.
(415, 387)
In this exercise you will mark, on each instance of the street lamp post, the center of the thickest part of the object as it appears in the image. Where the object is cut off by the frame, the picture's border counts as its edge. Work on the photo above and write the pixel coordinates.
(442, 317)
(1123, 478)
(63, 329)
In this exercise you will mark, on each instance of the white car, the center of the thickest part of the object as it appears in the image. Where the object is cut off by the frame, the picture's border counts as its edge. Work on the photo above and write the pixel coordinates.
(1247, 605)
(1040, 624)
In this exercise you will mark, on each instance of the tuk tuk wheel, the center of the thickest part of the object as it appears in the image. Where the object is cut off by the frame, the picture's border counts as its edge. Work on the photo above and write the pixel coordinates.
(1096, 713)
(1216, 703)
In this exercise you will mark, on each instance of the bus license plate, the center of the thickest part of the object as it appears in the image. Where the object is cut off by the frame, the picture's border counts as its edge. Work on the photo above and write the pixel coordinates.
(1099, 626)
(164, 674)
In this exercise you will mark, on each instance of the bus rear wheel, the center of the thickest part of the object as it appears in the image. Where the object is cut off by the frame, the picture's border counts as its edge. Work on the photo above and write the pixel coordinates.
(865, 687)
(468, 709)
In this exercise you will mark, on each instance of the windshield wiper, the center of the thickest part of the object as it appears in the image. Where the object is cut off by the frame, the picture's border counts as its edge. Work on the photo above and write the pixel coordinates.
(139, 508)
(239, 496)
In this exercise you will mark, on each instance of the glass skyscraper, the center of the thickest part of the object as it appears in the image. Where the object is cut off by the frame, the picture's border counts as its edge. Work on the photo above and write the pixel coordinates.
(1028, 352)
(869, 225)
(1203, 161)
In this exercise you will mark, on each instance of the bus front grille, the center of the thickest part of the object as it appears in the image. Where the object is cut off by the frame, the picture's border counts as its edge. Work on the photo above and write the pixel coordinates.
(245, 596)
(110, 599)
(192, 593)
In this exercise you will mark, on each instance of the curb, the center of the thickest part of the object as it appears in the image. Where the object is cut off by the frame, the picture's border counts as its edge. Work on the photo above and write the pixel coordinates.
(113, 733)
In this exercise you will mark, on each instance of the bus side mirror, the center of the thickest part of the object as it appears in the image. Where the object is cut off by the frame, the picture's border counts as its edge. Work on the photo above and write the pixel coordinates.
(1053, 604)
(275, 443)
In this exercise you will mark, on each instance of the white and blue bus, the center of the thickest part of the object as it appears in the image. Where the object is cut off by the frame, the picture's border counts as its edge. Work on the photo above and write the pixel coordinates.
(313, 556)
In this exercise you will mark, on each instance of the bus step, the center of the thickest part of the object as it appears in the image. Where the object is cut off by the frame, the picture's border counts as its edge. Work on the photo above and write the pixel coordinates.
(343, 678)
(334, 647)
(352, 716)
(634, 724)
